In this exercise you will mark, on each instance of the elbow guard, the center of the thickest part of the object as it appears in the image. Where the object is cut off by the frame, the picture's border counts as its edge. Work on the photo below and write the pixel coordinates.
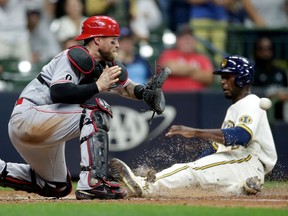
(237, 136)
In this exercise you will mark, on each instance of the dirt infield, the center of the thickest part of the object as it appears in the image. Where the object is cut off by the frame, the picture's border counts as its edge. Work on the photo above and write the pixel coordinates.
(268, 198)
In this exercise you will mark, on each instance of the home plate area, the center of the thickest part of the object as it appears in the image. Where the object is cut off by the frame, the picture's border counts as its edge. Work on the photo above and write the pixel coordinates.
(268, 198)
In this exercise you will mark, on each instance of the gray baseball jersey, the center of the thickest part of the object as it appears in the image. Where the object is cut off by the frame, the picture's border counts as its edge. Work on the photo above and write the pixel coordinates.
(39, 128)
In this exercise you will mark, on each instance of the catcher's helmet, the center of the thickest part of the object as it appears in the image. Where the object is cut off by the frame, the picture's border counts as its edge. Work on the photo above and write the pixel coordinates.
(99, 26)
(240, 66)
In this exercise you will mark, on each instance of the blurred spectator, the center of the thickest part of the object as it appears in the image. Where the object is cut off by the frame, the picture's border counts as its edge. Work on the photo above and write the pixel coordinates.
(50, 7)
(267, 72)
(266, 13)
(44, 44)
(209, 21)
(270, 76)
(147, 18)
(164, 6)
(236, 13)
(14, 35)
(176, 14)
(121, 10)
(190, 70)
(138, 67)
(142, 16)
(69, 42)
(281, 97)
(69, 25)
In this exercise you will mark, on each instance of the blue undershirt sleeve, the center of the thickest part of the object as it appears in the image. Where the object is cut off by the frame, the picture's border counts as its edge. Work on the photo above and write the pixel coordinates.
(237, 136)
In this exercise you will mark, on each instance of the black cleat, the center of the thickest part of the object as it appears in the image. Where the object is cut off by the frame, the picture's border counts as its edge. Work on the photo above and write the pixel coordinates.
(104, 190)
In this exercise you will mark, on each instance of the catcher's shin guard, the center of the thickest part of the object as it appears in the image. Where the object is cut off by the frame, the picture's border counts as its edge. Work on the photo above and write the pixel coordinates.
(94, 156)
(95, 146)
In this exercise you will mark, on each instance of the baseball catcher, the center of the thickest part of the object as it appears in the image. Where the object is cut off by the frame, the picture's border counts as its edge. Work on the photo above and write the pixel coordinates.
(61, 103)
(151, 93)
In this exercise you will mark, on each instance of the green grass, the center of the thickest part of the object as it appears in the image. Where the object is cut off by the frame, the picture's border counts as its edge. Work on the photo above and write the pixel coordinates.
(103, 209)
(275, 184)
(118, 208)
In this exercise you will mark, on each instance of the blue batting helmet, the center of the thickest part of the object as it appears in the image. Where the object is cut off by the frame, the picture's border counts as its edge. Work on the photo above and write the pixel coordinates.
(240, 66)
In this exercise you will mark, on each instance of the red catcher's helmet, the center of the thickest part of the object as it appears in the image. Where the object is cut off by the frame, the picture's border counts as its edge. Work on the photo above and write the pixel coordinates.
(99, 26)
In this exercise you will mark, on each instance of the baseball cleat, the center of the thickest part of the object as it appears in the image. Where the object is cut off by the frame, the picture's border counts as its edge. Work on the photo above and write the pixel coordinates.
(151, 175)
(253, 185)
(17, 184)
(100, 193)
(121, 172)
(103, 190)
(33, 187)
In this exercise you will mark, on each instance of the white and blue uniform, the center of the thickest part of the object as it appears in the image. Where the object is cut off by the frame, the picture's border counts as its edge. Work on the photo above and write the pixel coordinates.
(228, 168)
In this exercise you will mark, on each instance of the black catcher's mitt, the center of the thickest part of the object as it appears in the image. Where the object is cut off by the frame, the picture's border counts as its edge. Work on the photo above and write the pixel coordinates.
(153, 94)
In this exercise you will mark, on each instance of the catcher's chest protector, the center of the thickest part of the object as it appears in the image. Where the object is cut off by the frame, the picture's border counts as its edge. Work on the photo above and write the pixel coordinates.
(83, 62)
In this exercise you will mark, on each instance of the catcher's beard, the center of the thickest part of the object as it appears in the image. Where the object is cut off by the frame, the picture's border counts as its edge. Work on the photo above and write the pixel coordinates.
(107, 56)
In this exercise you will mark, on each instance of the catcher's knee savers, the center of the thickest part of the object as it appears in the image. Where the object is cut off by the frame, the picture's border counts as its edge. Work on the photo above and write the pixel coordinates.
(50, 189)
(97, 142)
(57, 189)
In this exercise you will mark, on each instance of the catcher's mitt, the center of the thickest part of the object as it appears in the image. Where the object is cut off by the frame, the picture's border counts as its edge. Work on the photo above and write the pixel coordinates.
(158, 79)
(153, 94)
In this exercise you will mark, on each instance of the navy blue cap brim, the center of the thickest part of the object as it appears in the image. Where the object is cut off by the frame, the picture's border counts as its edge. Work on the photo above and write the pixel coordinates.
(217, 72)
(221, 71)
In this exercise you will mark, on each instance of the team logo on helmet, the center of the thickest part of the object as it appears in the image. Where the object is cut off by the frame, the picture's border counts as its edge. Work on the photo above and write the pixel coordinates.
(223, 63)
